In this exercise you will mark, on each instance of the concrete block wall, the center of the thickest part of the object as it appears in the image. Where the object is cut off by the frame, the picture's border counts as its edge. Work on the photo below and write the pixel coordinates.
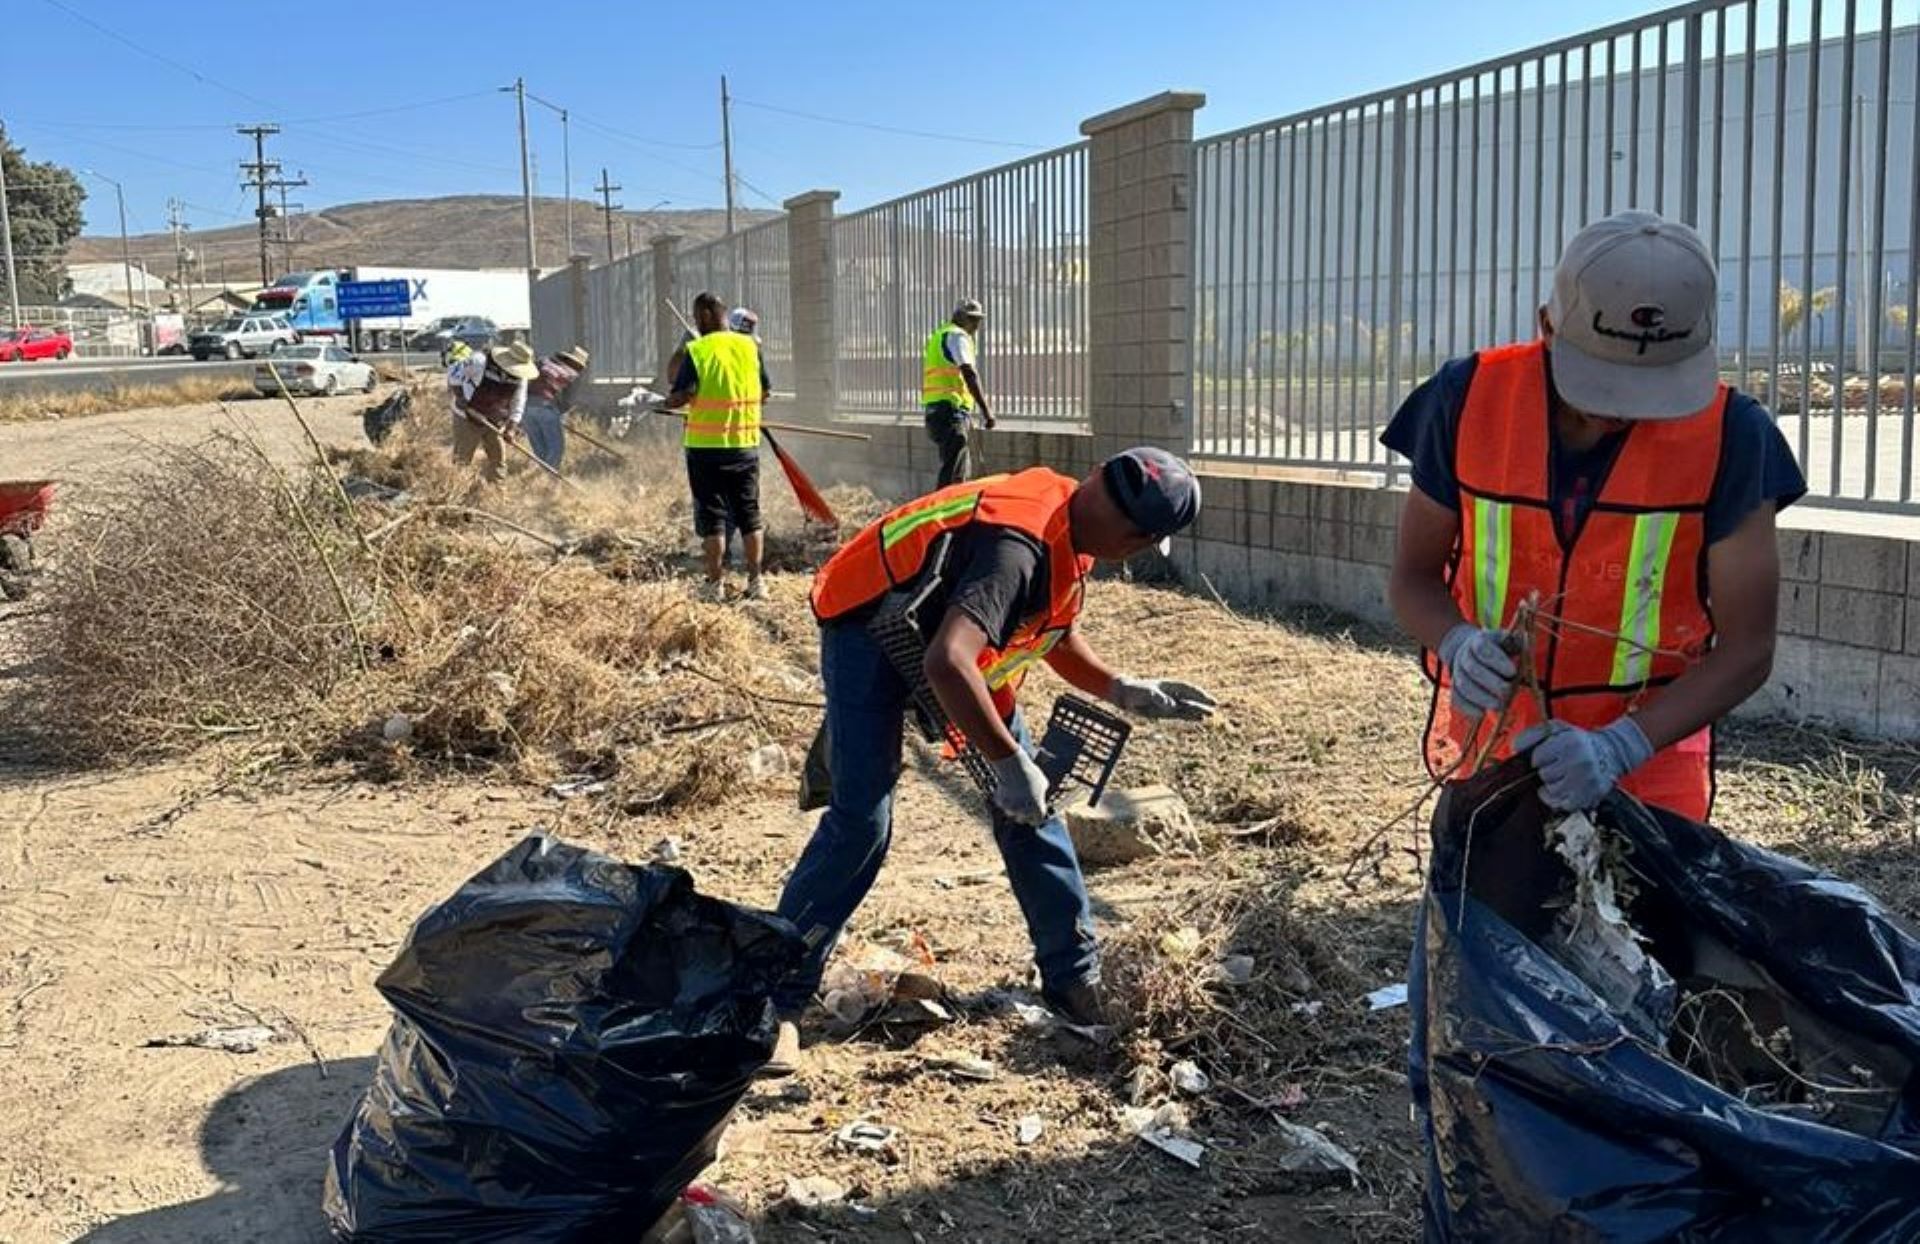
(1849, 647)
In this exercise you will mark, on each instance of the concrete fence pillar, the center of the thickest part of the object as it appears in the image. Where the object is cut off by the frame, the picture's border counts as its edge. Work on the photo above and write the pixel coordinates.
(577, 302)
(666, 329)
(1140, 271)
(810, 290)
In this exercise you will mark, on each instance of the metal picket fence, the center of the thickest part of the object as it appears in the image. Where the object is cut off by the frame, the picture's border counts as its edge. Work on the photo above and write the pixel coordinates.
(1342, 253)
(620, 317)
(748, 269)
(1014, 237)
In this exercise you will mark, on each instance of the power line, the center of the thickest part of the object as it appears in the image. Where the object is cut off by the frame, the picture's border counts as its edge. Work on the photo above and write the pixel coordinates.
(148, 52)
(887, 129)
(644, 142)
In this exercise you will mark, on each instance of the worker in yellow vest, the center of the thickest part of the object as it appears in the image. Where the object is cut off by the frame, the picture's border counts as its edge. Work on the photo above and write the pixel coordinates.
(721, 385)
(950, 390)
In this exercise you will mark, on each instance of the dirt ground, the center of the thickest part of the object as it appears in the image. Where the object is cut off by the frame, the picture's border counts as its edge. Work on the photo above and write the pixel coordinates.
(147, 903)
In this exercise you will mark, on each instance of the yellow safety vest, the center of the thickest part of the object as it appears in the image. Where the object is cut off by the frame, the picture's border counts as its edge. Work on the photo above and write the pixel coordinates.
(940, 380)
(725, 411)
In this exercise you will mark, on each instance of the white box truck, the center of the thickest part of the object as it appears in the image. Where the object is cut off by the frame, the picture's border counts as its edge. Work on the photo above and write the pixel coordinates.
(450, 304)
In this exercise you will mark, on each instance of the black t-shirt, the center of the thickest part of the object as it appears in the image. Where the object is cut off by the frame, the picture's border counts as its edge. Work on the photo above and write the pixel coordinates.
(997, 576)
(1756, 466)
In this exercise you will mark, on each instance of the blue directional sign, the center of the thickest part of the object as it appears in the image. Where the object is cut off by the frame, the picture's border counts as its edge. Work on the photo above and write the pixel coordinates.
(367, 300)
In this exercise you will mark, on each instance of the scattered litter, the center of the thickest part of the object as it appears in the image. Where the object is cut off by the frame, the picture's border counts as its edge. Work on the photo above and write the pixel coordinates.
(714, 1216)
(1387, 997)
(812, 1192)
(965, 1067)
(1035, 1018)
(1166, 1130)
(1143, 1085)
(866, 1138)
(1290, 1097)
(1029, 1129)
(1180, 944)
(1311, 1154)
(1308, 1009)
(768, 761)
(965, 879)
(1236, 969)
(239, 1039)
(1129, 825)
(397, 729)
(862, 982)
(576, 785)
(666, 851)
(920, 1011)
(1188, 1078)
(1593, 937)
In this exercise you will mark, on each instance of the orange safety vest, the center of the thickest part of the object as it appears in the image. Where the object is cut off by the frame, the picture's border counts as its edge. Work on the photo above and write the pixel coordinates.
(1630, 589)
(888, 553)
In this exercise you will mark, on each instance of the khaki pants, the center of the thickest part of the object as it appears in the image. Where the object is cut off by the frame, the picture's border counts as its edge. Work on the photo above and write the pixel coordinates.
(469, 435)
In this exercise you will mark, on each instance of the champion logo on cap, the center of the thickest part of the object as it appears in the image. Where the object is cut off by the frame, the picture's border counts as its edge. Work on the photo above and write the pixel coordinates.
(1650, 334)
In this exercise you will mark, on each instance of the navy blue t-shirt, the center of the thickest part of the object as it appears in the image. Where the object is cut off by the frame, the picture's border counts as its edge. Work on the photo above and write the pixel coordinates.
(1756, 466)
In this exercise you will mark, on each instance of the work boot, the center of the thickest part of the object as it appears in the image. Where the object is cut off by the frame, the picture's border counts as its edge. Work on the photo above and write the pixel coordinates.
(756, 588)
(786, 1053)
(1080, 1004)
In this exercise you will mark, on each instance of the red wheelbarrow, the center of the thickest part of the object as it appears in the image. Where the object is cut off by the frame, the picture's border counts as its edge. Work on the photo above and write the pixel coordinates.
(23, 509)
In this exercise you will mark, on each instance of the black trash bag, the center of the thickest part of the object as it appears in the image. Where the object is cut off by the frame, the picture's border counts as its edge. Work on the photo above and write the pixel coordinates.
(571, 1036)
(378, 421)
(1550, 1115)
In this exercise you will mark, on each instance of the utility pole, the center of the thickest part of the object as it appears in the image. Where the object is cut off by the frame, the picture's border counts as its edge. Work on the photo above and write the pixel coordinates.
(258, 180)
(519, 89)
(286, 222)
(629, 237)
(566, 159)
(176, 224)
(126, 251)
(607, 205)
(726, 145)
(6, 245)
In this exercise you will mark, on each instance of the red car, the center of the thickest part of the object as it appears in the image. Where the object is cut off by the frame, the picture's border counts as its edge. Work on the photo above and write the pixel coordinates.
(27, 344)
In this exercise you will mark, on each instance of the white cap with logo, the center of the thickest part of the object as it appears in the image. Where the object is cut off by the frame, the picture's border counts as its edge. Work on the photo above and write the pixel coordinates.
(1632, 311)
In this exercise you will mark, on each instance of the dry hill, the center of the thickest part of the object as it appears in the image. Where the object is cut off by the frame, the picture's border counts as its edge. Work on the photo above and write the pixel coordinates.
(465, 231)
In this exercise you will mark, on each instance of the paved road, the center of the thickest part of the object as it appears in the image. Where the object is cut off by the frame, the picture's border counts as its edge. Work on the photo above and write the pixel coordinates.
(76, 375)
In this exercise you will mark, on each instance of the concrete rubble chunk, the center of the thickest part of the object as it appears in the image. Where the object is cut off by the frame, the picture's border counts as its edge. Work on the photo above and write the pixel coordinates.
(1129, 825)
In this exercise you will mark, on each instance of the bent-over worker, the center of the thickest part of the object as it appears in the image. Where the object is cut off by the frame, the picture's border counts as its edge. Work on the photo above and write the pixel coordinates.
(721, 385)
(950, 390)
(545, 419)
(1603, 470)
(1009, 591)
(488, 393)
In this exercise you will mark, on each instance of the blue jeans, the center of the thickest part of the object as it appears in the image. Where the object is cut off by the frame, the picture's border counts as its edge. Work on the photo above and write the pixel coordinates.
(546, 437)
(866, 706)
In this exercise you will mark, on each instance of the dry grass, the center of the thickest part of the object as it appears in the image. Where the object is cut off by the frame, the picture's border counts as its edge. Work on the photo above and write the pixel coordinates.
(27, 407)
(538, 629)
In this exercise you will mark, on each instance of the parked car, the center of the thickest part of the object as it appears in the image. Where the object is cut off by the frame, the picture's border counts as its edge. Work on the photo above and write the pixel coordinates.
(325, 370)
(28, 344)
(243, 336)
(476, 331)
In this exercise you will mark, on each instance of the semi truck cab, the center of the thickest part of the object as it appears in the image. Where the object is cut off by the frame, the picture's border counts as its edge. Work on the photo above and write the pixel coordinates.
(309, 300)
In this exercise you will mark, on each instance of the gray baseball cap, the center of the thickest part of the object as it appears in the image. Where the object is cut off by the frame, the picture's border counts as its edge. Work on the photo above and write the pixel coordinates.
(1155, 490)
(1632, 311)
(972, 307)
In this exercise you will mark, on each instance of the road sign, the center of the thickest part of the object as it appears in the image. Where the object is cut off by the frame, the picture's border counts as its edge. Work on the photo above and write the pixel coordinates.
(366, 300)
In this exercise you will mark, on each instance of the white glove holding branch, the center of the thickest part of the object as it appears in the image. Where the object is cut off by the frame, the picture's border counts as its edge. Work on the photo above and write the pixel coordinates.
(1020, 789)
(1161, 697)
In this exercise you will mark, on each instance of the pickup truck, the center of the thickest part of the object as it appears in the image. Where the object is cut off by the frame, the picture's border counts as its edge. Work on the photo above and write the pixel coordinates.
(243, 336)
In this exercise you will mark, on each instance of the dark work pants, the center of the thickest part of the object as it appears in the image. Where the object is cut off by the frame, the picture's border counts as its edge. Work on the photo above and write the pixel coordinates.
(947, 428)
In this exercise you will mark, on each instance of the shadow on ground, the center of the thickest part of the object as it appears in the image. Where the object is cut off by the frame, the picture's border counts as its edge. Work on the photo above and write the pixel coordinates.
(266, 1140)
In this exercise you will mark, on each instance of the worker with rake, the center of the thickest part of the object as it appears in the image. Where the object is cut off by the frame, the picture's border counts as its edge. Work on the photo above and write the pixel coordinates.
(488, 393)
(721, 384)
(1008, 557)
(1587, 554)
(546, 404)
(950, 392)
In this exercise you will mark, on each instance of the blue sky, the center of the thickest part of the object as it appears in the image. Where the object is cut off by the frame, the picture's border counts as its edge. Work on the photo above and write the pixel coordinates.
(642, 81)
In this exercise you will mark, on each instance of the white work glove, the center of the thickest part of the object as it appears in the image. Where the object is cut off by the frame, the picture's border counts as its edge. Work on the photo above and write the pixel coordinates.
(1481, 669)
(1020, 789)
(1161, 697)
(1578, 767)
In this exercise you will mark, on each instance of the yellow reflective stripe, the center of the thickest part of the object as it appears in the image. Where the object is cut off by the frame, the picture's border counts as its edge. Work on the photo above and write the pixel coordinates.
(1492, 560)
(723, 403)
(1011, 664)
(891, 533)
(1646, 585)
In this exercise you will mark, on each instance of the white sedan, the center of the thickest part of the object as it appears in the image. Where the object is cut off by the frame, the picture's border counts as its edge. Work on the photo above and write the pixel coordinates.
(325, 370)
